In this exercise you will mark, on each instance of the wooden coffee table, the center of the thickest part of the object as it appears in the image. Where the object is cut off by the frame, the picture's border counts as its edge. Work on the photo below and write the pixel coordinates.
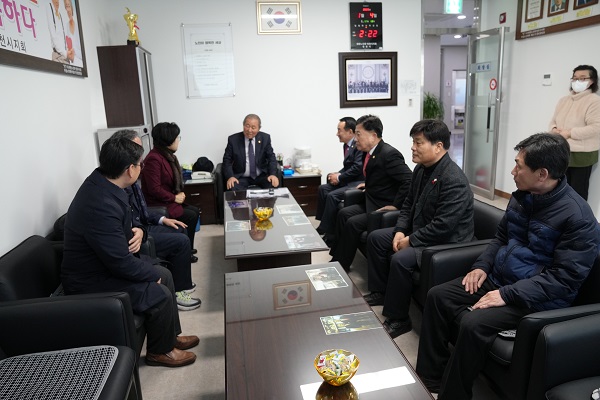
(288, 238)
(274, 330)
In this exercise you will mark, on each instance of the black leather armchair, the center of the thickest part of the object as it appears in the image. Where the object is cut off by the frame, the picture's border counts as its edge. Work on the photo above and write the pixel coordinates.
(31, 270)
(512, 367)
(565, 361)
(68, 322)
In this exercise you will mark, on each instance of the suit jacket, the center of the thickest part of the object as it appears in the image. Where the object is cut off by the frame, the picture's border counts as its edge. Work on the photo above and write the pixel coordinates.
(158, 183)
(443, 212)
(234, 159)
(353, 163)
(388, 178)
(96, 250)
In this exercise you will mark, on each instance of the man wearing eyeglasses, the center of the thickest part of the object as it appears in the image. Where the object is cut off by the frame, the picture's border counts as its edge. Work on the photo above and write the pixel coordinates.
(98, 253)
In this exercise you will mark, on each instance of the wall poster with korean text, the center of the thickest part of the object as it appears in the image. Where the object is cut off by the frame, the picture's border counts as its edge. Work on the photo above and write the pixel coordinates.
(42, 34)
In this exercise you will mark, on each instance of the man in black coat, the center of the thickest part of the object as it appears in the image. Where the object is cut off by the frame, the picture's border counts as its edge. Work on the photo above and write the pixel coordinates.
(387, 179)
(100, 253)
(249, 158)
(437, 210)
(350, 176)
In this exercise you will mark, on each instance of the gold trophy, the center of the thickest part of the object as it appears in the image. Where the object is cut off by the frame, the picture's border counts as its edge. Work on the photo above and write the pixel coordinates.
(131, 19)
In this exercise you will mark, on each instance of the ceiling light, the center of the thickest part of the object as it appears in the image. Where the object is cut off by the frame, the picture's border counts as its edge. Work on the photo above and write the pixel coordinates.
(461, 16)
(457, 36)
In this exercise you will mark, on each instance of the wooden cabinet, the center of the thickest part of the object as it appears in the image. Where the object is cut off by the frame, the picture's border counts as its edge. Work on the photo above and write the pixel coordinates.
(304, 188)
(127, 86)
(202, 195)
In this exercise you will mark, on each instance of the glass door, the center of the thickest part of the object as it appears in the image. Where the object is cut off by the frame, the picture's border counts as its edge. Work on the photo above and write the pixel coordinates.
(482, 114)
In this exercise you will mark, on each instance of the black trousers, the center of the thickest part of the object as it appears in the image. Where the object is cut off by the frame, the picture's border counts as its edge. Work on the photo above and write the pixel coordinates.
(245, 181)
(390, 273)
(579, 179)
(190, 218)
(350, 223)
(329, 198)
(174, 246)
(162, 320)
(446, 305)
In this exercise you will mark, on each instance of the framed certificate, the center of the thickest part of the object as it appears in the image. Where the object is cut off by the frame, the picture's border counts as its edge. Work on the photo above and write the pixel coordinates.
(278, 17)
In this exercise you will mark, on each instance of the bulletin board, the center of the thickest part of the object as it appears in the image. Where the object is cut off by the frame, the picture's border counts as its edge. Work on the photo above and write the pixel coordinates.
(208, 60)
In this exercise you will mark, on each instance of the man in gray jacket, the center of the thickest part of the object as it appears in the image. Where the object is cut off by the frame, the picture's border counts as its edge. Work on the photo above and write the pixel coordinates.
(437, 210)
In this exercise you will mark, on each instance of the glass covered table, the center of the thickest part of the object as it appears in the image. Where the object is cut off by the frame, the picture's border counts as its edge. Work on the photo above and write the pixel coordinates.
(277, 321)
(286, 238)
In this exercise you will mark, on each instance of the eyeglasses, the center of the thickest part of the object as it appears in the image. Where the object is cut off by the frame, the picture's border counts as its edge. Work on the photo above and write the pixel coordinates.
(141, 165)
(580, 79)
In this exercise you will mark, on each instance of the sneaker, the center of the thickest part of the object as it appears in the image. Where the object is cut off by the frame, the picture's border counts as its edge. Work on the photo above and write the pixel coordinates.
(185, 302)
(190, 290)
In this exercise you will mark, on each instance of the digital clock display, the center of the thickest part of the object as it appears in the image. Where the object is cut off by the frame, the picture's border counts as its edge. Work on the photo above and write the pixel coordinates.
(365, 26)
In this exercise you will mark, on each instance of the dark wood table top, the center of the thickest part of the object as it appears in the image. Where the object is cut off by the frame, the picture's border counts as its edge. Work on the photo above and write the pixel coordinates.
(272, 340)
(287, 231)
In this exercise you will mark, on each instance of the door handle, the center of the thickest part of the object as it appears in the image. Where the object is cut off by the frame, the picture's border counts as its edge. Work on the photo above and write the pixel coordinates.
(302, 187)
(489, 115)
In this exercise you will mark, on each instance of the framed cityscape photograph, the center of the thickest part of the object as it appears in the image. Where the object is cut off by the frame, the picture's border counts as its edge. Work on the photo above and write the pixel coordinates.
(368, 79)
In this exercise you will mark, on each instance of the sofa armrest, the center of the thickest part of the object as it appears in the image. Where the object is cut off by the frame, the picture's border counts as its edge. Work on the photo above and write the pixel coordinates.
(389, 219)
(565, 351)
(528, 330)
(161, 210)
(444, 262)
(56, 323)
(353, 196)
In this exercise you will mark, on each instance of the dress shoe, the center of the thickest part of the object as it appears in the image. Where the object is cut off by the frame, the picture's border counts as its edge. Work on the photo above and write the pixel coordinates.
(174, 358)
(375, 298)
(194, 259)
(194, 251)
(186, 342)
(396, 327)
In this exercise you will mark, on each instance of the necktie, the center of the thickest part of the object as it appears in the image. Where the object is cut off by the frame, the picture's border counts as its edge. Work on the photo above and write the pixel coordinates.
(345, 150)
(251, 160)
(365, 164)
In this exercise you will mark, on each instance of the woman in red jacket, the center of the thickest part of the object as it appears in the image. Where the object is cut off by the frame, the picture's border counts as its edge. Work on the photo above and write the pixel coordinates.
(162, 178)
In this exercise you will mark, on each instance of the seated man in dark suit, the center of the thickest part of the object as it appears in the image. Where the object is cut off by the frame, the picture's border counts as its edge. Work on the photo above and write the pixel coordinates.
(101, 246)
(332, 192)
(170, 238)
(437, 210)
(387, 179)
(249, 158)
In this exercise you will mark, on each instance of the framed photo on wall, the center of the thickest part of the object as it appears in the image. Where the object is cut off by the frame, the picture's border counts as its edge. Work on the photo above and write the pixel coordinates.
(577, 4)
(278, 17)
(45, 35)
(368, 79)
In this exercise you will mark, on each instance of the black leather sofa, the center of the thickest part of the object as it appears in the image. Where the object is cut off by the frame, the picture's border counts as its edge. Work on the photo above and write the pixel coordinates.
(29, 275)
(510, 367)
(70, 322)
(565, 360)
(438, 262)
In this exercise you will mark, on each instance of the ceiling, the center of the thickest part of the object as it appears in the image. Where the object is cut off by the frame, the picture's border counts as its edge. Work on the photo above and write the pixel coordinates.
(447, 25)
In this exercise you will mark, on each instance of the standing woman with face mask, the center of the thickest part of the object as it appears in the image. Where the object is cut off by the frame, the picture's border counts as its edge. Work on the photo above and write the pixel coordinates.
(577, 119)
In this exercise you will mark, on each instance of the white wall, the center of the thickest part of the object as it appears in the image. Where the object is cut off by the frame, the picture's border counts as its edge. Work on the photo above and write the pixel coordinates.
(528, 106)
(432, 63)
(454, 58)
(291, 81)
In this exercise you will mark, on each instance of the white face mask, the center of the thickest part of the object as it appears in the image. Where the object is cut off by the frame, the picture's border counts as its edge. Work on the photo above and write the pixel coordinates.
(579, 87)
